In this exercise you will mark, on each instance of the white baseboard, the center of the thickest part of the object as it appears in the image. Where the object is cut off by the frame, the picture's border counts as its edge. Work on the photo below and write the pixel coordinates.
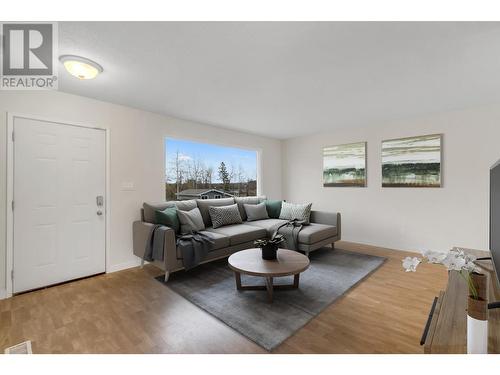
(123, 266)
(4, 294)
(113, 268)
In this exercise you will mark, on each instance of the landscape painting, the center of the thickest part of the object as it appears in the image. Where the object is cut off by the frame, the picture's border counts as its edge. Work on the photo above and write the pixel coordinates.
(345, 165)
(412, 162)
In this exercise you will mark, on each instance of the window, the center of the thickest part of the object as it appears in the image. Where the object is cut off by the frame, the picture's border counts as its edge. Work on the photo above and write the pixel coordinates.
(194, 169)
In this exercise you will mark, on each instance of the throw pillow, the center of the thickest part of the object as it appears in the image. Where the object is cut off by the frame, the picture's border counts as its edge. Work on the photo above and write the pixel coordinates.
(273, 209)
(168, 217)
(290, 211)
(225, 215)
(190, 220)
(247, 200)
(149, 210)
(205, 204)
(256, 211)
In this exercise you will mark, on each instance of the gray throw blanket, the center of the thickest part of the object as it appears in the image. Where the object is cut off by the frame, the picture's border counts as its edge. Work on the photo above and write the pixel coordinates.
(290, 232)
(155, 243)
(194, 247)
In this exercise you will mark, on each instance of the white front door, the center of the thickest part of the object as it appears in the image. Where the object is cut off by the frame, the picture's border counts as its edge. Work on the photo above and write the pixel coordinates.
(59, 219)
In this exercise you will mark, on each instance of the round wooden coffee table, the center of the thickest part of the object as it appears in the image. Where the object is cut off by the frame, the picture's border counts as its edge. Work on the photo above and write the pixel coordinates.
(250, 262)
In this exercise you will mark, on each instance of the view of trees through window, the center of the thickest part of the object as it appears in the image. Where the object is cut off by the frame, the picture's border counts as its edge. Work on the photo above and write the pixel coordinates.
(205, 171)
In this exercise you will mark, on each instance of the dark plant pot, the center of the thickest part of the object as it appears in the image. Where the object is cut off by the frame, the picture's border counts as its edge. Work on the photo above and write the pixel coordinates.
(269, 251)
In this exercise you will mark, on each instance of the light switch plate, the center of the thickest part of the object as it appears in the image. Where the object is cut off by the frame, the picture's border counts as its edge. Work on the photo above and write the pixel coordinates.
(128, 186)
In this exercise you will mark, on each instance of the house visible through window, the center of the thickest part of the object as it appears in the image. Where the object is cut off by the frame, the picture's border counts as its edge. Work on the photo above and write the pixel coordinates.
(197, 170)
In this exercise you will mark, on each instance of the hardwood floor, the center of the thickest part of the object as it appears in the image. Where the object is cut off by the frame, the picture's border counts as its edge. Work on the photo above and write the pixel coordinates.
(130, 312)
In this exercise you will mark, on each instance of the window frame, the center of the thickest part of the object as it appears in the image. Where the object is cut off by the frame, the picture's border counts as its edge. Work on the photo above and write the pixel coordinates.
(258, 150)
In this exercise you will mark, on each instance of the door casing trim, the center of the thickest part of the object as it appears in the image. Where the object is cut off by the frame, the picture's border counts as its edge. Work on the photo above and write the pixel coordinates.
(11, 116)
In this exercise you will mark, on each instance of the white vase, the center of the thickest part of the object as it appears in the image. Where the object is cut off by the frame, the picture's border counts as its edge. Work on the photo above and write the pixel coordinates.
(477, 316)
(477, 336)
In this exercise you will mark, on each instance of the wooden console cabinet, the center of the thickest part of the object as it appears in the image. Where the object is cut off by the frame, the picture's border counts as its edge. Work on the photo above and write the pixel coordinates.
(447, 333)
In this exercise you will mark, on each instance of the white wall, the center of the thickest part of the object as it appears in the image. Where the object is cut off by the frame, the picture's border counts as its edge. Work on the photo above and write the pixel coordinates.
(137, 155)
(401, 218)
(406, 218)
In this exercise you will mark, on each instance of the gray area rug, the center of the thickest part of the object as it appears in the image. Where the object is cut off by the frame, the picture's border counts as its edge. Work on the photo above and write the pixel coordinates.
(212, 287)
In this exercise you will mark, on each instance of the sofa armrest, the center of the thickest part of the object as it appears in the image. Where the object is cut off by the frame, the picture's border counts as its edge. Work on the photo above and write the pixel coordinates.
(327, 218)
(141, 231)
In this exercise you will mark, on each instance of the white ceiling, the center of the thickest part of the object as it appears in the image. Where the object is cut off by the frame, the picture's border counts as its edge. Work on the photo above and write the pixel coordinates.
(286, 79)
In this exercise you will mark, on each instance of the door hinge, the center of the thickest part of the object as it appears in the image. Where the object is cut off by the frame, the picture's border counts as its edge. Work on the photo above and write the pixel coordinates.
(12, 274)
(13, 205)
(13, 137)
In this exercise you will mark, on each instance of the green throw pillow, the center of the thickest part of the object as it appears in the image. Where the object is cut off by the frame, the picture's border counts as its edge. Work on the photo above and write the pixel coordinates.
(273, 209)
(168, 217)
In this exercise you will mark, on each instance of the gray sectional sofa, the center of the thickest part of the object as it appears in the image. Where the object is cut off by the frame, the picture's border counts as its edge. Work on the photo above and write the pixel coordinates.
(323, 230)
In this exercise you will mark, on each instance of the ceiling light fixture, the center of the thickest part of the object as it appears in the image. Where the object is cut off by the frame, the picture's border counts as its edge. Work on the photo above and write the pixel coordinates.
(80, 67)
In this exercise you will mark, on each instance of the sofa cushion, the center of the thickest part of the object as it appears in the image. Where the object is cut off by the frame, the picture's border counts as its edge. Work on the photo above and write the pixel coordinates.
(313, 233)
(205, 204)
(291, 211)
(190, 220)
(187, 205)
(241, 201)
(273, 208)
(225, 215)
(240, 233)
(168, 217)
(270, 225)
(256, 211)
(151, 208)
(220, 242)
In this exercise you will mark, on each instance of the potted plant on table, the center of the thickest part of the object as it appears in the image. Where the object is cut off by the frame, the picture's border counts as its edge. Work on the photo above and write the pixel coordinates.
(477, 304)
(269, 247)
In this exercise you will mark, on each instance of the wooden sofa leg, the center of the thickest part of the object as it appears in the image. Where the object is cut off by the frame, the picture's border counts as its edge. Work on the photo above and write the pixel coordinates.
(167, 275)
(306, 253)
(333, 245)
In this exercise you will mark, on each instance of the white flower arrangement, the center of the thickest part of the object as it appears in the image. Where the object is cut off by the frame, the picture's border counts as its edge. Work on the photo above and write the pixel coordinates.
(455, 260)
(410, 264)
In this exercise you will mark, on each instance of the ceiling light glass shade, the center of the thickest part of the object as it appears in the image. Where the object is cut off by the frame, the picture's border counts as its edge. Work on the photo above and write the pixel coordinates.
(81, 67)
